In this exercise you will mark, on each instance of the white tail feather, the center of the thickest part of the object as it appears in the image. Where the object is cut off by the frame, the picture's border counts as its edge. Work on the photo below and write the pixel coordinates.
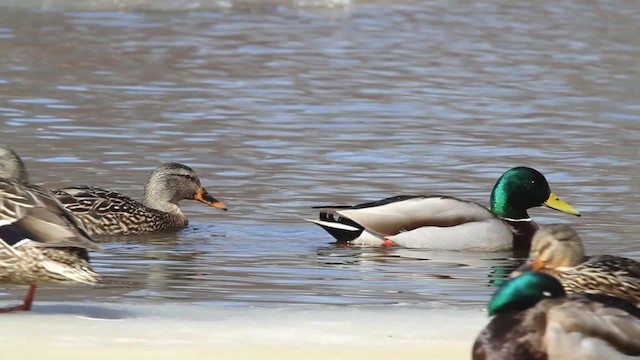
(334, 225)
(10, 249)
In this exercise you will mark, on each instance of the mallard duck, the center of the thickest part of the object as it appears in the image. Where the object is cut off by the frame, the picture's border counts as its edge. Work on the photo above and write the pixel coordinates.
(106, 212)
(11, 165)
(535, 319)
(40, 241)
(448, 223)
(557, 250)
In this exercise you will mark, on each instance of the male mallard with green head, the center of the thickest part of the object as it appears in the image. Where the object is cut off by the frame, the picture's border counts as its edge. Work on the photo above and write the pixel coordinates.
(534, 319)
(448, 223)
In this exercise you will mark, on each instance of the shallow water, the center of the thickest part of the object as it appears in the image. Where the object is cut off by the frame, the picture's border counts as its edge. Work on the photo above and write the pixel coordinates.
(280, 106)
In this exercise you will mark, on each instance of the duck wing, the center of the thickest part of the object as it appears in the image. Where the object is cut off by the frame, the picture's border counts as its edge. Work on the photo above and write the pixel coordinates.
(32, 215)
(480, 235)
(94, 201)
(405, 213)
(604, 274)
(612, 320)
(620, 265)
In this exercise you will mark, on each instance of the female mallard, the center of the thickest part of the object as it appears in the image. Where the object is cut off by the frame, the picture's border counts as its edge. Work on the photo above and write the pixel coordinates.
(40, 241)
(107, 212)
(447, 223)
(534, 319)
(557, 250)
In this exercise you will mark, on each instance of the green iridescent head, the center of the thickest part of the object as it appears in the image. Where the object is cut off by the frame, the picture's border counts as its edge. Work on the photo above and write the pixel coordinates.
(522, 188)
(524, 292)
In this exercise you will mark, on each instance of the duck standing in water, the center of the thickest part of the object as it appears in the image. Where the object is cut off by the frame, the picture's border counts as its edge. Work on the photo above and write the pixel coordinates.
(448, 223)
(40, 241)
(106, 212)
(534, 319)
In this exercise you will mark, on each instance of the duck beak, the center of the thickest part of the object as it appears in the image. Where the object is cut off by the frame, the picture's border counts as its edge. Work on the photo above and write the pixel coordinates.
(555, 203)
(530, 265)
(203, 196)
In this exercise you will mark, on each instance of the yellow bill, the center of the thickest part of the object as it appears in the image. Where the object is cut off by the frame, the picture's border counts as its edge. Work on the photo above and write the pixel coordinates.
(555, 203)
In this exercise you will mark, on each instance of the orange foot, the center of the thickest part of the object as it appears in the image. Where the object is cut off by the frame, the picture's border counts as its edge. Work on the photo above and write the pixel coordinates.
(14, 308)
(26, 306)
(388, 243)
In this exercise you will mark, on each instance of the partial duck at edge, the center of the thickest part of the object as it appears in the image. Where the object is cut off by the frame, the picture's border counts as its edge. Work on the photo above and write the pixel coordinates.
(557, 250)
(40, 241)
(534, 319)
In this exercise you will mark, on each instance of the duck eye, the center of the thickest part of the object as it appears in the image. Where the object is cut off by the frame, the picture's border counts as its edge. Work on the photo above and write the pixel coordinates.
(546, 294)
(188, 177)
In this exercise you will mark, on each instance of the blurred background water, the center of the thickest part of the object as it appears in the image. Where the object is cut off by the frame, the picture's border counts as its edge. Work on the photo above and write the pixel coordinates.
(283, 105)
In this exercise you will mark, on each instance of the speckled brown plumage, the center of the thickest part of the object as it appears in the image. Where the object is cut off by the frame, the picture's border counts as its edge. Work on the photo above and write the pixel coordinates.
(40, 241)
(557, 250)
(107, 212)
(35, 265)
(604, 274)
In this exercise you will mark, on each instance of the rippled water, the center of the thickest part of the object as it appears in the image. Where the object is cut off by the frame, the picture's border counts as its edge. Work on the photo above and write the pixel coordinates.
(283, 107)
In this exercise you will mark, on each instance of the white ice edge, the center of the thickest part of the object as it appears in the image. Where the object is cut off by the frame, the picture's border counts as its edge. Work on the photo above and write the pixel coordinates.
(175, 331)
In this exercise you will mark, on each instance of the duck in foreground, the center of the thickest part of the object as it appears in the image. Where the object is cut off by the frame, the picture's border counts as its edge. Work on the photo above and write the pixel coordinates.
(40, 241)
(557, 250)
(535, 320)
(106, 212)
(448, 223)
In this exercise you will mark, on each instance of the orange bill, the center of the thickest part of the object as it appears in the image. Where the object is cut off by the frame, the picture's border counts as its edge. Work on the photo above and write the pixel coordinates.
(530, 265)
(203, 196)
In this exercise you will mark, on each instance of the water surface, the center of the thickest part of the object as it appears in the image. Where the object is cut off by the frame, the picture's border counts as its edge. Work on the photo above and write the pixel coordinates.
(280, 106)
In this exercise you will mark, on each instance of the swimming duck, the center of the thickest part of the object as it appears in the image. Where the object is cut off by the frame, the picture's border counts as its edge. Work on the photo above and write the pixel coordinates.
(448, 223)
(106, 212)
(557, 250)
(535, 319)
(40, 241)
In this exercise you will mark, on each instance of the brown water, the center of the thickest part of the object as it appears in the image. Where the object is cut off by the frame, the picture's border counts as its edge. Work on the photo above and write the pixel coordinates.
(283, 106)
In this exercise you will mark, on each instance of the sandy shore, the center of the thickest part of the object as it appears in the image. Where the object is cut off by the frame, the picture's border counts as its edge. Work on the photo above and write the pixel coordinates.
(106, 331)
(459, 350)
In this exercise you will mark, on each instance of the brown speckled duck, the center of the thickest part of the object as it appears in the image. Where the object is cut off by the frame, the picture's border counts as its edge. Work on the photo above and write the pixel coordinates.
(40, 241)
(558, 251)
(106, 212)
